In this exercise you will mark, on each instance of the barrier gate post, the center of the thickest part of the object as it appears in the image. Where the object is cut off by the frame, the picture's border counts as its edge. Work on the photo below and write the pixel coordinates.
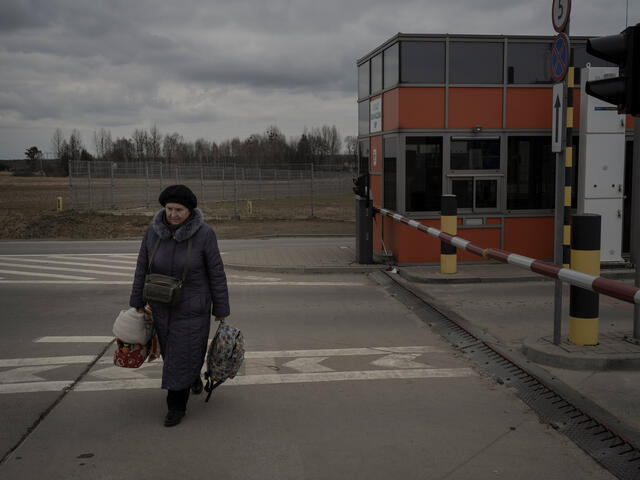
(364, 220)
(585, 257)
(449, 224)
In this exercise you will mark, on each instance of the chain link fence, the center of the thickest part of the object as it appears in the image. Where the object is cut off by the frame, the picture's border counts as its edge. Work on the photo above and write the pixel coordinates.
(230, 190)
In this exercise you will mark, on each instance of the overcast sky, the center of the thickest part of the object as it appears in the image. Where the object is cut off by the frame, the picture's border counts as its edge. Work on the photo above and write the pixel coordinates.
(224, 69)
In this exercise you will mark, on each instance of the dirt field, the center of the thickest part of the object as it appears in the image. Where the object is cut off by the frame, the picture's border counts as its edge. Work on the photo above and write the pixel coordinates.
(28, 211)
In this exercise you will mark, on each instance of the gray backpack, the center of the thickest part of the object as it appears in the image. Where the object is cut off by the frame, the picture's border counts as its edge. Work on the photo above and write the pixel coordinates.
(224, 356)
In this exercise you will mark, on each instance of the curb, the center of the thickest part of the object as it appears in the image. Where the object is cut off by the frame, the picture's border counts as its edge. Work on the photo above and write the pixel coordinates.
(545, 353)
(305, 269)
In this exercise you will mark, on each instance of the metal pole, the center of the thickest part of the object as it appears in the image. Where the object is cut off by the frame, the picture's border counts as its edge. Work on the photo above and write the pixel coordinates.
(90, 191)
(223, 167)
(113, 198)
(235, 190)
(70, 163)
(312, 194)
(147, 184)
(161, 179)
(201, 183)
(259, 182)
(275, 183)
(558, 230)
(177, 179)
(635, 220)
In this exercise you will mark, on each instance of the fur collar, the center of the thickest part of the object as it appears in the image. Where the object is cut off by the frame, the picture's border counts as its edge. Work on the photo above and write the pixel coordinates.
(184, 231)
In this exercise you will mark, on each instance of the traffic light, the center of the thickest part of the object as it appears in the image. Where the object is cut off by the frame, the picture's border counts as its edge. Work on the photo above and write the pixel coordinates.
(361, 186)
(623, 50)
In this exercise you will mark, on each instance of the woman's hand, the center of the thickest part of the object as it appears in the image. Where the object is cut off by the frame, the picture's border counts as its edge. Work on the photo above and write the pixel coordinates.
(220, 319)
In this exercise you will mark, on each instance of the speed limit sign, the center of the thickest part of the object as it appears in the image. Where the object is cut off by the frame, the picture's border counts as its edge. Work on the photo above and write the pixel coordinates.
(560, 14)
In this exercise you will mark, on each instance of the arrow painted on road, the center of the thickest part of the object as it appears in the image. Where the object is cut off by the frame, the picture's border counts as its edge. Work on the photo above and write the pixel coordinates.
(25, 374)
(117, 373)
(308, 365)
(399, 360)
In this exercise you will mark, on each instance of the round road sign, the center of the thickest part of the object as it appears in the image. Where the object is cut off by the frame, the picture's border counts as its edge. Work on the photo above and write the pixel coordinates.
(560, 57)
(560, 14)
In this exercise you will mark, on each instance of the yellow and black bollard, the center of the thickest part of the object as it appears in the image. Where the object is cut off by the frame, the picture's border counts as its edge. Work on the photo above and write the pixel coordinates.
(448, 224)
(59, 204)
(585, 257)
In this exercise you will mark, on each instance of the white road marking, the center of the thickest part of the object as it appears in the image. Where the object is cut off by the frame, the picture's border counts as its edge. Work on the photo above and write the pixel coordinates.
(26, 362)
(78, 339)
(287, 378)
(399, 360)
(115, 373)
(308, 365)
(25, 374)
(335, 352)
(35, 387)
(51, 275)
(129, 273)
(79, 264)
(109, 260)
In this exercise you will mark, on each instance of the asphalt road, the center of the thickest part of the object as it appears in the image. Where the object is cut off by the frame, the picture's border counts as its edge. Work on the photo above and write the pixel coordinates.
(340, 381)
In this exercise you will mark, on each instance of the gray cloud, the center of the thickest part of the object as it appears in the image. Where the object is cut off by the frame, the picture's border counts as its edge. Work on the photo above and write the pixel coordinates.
(221, 69)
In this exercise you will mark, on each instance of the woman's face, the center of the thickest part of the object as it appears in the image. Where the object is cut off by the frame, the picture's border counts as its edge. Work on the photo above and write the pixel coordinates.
(176, 213)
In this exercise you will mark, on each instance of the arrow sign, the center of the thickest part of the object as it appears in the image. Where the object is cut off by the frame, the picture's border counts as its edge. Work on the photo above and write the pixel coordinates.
(558, 109)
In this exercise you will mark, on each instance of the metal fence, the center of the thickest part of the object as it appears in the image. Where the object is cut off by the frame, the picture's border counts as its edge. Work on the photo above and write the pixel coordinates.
(101, 185)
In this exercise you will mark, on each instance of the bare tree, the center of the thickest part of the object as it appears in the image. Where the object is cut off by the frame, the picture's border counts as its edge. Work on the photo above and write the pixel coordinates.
(153, 143)
(140, 144)
(170, 146)
(75, 145)
(103, 143)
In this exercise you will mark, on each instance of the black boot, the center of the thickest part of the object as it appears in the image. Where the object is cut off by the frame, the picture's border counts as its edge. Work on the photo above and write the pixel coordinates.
(173, 417)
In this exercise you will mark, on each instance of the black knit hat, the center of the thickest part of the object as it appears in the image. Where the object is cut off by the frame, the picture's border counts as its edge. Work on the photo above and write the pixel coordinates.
(178, 194)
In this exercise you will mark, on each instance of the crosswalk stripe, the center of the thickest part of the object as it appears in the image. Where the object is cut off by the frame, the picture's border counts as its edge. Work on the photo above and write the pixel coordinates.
(65, 269)
(76, 339)
(79, 264)
(50, 275)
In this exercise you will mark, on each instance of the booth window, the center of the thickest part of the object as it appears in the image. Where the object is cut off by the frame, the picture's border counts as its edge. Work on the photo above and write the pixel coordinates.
(363, 157)
(423, 182)
(363, 80)
(481, 154)
(376, 73)
(391, 65)
(476, 63)
(422, 62)
(530, 173)
(529, 63)
(363, 118)
(390, 148)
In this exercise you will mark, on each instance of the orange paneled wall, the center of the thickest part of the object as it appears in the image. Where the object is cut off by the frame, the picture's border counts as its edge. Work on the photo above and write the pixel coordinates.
(475, 106)
(529, 107)
(421, 107)
(532, 236)
(390, 110)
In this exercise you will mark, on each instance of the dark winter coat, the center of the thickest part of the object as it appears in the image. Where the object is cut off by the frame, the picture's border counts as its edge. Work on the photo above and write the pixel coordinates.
(183, 330)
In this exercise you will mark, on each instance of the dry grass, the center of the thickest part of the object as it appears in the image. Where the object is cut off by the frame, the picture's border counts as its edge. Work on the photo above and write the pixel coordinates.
(28, 211)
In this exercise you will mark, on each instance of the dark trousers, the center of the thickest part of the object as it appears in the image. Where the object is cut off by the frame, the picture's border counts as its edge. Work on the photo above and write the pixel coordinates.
(177, 399)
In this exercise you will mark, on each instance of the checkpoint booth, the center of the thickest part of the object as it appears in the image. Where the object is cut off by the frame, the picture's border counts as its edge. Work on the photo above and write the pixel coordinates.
(472, 116)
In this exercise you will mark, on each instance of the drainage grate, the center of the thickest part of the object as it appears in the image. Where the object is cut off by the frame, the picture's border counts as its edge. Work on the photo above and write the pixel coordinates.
(608, 448)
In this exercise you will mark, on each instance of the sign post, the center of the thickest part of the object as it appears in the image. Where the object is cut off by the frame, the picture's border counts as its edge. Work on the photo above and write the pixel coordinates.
(560, 57)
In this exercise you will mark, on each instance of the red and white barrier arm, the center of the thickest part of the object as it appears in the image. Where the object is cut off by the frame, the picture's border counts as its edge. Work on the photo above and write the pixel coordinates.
(611, 288)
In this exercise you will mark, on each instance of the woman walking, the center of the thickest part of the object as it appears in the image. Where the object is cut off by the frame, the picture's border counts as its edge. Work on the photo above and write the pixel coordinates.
(178, 241)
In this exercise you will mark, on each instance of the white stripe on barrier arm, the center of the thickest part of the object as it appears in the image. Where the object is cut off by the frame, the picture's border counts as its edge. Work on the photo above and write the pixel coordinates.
(579, 279)
(460, 242)
(520, 261)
